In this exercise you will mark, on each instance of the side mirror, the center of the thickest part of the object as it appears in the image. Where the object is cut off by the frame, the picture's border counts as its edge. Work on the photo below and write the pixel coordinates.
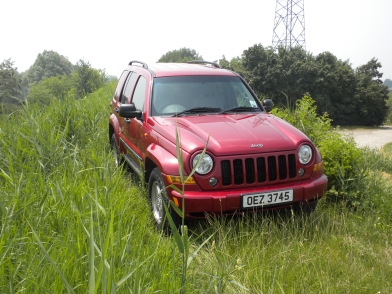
(129, 111)
(268, 105)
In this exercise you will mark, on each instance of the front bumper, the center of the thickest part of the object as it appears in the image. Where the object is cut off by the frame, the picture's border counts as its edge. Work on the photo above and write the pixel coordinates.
(199, 203)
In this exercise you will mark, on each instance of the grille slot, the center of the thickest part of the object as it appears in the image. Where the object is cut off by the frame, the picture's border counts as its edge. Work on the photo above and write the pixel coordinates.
(238, 172)
(226, 172)
(259, 169)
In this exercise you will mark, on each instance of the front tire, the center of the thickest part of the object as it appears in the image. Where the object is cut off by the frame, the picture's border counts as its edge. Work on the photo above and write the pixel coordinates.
(159, 199)
(306, 208)
(116, 152)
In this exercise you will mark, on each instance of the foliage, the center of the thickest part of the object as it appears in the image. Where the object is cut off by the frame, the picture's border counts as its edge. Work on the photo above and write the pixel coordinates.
(371, 95)
(10, 82)
(48, 64)
(181, 238)
(333, 88)
(388, 119)
(338, 153)
(348, 96)
(387, 149)
(304, 117)
(50, 88)
(83, 81)
(345, 165)
(235, 64)
(341, 157)
(277, 75)
(87, 79)
(180, 55)
(24, 87)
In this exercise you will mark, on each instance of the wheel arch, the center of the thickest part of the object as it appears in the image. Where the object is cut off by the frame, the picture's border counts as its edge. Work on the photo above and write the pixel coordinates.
(149, 165)
(113, 127)
(157, 156)
(111, 132)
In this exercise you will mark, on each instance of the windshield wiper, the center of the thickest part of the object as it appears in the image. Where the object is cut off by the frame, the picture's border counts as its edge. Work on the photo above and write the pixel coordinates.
(239, 109)
(197, 110)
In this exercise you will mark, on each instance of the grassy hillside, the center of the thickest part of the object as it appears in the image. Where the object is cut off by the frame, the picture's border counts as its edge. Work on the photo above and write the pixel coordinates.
(71, 222)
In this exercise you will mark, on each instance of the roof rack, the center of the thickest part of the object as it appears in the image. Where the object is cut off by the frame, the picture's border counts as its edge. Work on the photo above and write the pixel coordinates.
(204, 62)
(140, 62)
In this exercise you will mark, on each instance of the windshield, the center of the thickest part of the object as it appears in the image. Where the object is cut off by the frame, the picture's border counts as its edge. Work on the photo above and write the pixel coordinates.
(207, 94)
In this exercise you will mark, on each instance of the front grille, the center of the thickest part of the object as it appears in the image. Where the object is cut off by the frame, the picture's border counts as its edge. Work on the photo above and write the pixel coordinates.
(259, 169)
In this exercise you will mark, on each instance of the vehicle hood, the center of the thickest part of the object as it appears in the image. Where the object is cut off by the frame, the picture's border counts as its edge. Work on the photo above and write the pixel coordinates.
(231, 134)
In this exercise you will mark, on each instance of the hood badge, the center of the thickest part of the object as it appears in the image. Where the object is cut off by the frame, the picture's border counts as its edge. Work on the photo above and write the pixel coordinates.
(256, 146)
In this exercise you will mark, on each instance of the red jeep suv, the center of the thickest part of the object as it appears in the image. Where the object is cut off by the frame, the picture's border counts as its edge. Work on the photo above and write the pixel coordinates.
(245, 159)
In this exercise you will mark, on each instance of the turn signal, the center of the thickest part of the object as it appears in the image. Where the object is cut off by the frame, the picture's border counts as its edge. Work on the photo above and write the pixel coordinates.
(177, 180)
(319, 165)
(175, 200)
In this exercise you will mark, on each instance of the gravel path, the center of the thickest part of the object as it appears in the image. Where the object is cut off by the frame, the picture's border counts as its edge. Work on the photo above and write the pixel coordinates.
(373, 138)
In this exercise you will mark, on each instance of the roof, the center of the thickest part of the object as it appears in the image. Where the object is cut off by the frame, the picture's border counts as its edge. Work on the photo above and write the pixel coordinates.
(186, 69)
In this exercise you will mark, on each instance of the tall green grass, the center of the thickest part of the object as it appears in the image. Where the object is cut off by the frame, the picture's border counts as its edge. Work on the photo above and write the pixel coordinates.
(70, 222)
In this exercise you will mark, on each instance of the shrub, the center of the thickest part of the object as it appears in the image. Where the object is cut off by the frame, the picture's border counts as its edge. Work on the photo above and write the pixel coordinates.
(351, 172)
(304, 117)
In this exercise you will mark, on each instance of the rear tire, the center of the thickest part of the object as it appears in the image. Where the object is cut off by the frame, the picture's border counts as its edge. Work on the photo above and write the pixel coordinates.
(159, 198)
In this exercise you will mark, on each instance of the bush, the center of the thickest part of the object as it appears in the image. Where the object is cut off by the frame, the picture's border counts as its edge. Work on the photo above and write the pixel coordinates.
(352, 172)
(304, 117)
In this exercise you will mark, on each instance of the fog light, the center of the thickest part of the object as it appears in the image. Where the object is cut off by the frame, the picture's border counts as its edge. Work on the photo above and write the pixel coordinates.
(213, 181)
(301, 172)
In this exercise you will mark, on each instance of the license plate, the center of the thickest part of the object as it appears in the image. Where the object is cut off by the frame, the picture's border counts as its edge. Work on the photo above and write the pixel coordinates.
(267, 198)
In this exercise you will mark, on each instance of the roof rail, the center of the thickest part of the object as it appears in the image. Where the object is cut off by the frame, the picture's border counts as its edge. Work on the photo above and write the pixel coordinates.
(204, 62)
(140, 62)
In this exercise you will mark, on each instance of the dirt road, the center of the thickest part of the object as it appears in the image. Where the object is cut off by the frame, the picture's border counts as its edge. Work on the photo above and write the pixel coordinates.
(371, 137)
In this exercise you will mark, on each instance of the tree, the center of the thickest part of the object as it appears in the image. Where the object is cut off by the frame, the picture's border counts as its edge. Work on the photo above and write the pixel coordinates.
(285, 75)
(87, 79)
(48, 64)
(235, 64)
(333, 87)
(84, 80)
(371, 94)
(278, 75)
(294, 73)
(181, 55)
(10, 82)
(255, 62)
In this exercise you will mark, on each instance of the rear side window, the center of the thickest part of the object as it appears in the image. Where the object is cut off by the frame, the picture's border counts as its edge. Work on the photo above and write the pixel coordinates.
(140, 93)
(128, 88)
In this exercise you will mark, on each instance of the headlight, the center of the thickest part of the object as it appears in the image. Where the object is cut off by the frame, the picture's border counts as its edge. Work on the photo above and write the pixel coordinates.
(305, 154)
(205, 164)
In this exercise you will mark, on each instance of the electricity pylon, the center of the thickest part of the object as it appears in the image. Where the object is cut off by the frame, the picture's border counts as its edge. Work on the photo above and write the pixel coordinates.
(289, 25)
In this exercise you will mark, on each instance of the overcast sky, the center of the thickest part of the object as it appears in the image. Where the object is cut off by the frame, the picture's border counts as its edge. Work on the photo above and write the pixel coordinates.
(109, 34)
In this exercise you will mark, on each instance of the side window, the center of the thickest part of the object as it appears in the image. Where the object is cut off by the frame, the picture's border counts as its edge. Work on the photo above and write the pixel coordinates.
(140, 93)
(120, 85)
(128, 88)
